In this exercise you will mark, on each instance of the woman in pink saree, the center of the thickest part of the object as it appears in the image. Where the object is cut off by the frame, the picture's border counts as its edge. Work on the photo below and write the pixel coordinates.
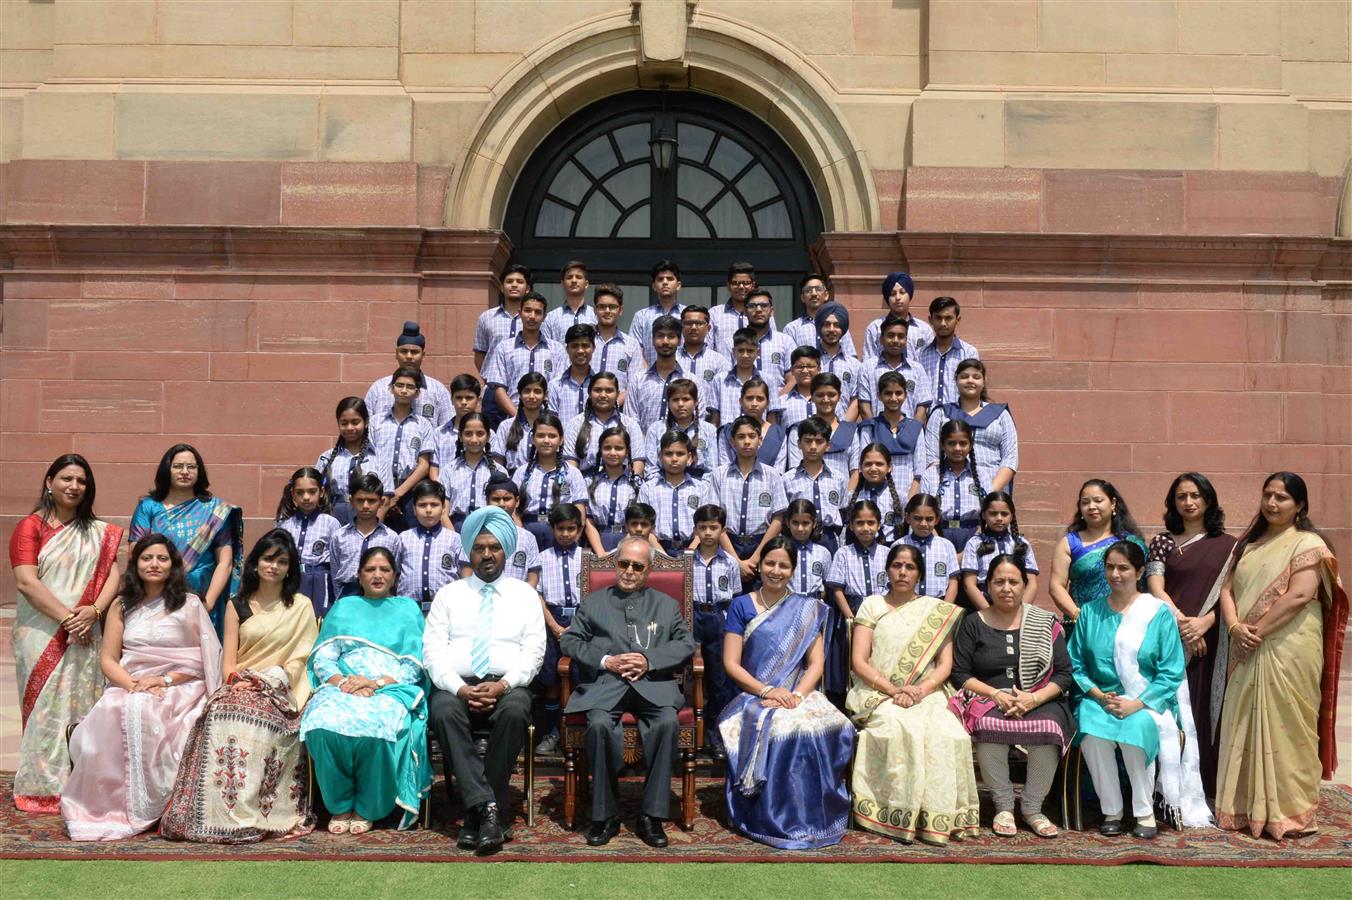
(65, 568)
(162, 659)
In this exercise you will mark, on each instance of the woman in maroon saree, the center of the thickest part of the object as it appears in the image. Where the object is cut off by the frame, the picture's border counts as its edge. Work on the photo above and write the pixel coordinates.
(1186, 565)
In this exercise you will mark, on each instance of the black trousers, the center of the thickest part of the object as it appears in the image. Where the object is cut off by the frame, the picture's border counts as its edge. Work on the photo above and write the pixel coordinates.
(605, 754)
(481, 780)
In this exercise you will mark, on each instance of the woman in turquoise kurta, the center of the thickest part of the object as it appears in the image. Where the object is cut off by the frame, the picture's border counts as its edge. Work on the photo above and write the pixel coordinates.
(1128, 664)
(207, 531)
(365, 726)
(1101, 520)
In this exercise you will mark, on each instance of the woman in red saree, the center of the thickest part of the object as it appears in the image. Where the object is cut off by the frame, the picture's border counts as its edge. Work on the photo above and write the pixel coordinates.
(65, 565)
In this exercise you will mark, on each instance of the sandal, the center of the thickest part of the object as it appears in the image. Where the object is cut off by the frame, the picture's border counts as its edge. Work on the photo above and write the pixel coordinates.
(360, 826)
(339, 826)
(1042, 826)
(1003, 824)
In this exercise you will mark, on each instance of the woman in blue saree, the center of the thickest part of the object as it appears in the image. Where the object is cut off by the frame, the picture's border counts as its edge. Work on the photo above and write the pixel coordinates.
(207, 531)
(788, 747)
(365, 725)
(1101, 520)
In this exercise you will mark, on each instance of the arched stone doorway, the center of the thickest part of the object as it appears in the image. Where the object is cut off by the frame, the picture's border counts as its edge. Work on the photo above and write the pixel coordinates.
(733, 191)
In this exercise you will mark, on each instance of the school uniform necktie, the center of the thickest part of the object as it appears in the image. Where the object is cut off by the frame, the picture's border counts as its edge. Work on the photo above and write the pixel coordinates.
(483, 632)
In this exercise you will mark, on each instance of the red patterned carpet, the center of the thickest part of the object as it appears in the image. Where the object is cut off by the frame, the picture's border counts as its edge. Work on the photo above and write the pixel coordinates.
(43, 837)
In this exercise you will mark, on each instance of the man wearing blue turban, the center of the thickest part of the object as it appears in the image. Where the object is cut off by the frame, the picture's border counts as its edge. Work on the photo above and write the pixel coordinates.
(482, 646)
(898, 292)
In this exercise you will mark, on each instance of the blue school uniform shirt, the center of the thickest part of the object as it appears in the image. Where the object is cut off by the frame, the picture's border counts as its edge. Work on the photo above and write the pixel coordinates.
(906, 446)
(892, 512)
(609, 499)
(959, 495)
(751, 501)
(919, 389)
(641, 327)
(717, 580)
(313, 535)
(826, 491)
(512, 459)
(541, 488)
(918, 333)
(586, 460)
(561, 318)
(566, 396)
(842, 453)
(702, 433)
(859, 572)
(399, 444)
(705, 369)
(775, 349)
(977, 562)
(809, 576)
(526, 559)
(432, 402)
(994, 446)
(349, 544)
(730, 393)
(774, 448)
(511, 359)
(620, 355)
(941, 563)
(675, 505)
(647, 399)
(724, 322)
(465, 484)
(342, 464)
(794, 407)
(432, 558)
(559, 581)
(494, 326)
(846, 368)
(941, 368)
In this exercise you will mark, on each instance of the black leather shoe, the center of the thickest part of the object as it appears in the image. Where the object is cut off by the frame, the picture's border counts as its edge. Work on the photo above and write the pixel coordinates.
(469, 830)
(602, 830)
(1111, 827)
(1145, 832)
(481, 747)
(717, 752)
(649, 830)
(490, 830)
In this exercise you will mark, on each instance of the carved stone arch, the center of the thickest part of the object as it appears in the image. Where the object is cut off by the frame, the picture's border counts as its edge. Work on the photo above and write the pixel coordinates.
(723, 57)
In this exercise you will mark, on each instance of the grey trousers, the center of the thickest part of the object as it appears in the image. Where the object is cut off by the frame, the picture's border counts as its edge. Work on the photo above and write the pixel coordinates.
(481, 780)
(657, 730)
(1042, 762)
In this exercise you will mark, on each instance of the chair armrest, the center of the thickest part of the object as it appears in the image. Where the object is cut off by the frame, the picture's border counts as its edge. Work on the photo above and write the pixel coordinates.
(697, 670)
(565, 679)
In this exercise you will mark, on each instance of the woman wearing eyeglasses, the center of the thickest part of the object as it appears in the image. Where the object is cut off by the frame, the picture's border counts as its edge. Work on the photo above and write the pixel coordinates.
(206, 531)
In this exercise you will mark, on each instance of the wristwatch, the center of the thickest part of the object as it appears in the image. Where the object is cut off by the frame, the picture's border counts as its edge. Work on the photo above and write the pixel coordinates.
(168, 681)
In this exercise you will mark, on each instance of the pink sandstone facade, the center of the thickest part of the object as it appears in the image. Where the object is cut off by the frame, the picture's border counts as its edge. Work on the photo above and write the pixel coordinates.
(214, 224)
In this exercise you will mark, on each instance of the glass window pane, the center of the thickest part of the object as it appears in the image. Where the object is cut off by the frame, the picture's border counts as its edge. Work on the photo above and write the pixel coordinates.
(783, 295)
(637, 225)
(554, 220)
(729, 219)
(597, 218)
(773, 221)
(570, 184)
(696, 186)
(597, 157)
(631, 185)
(757, 186)
(729, 157)
(551, 290)
(689, 224)
(636, 296)
(633, 141)
(694, 141)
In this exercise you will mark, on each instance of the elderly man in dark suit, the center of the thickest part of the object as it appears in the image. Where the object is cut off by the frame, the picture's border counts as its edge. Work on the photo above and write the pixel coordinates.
(628, 641)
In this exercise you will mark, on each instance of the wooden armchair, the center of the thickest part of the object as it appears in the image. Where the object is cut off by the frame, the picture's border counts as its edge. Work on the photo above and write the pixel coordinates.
(673, 576)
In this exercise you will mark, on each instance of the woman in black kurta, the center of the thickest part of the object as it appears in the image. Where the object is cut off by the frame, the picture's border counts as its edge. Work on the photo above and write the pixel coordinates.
(1011, 664)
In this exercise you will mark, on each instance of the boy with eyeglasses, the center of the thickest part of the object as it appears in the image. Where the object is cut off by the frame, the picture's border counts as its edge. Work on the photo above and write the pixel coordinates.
(814, 292)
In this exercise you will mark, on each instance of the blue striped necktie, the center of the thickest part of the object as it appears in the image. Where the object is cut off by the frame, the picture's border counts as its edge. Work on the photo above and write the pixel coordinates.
(483, 631)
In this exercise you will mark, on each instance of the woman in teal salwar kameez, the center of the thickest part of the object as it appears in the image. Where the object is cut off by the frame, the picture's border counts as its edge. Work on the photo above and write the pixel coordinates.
(365, 726)
(207, 531)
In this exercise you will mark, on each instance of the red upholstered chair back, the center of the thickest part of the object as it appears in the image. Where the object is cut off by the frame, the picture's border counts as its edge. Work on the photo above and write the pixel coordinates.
(672, 575)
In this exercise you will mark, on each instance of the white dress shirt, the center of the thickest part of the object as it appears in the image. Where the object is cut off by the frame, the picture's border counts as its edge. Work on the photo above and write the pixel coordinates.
(517, 647)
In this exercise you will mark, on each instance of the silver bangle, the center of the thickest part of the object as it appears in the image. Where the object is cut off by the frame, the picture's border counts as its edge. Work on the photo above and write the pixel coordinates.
(796, 694)
(764, 692)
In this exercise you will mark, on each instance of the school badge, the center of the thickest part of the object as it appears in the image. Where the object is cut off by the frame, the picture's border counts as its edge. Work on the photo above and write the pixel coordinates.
(765, 500)
(427, 410)
(941, 569)
(318, 547)
(519, 558)
(818, 568)
(415, 443)
(692, 501)
(548, 367)
(722, 582)
(882, 579)
(623, 365)
(447, 561)
(708, 374)
(833, 497)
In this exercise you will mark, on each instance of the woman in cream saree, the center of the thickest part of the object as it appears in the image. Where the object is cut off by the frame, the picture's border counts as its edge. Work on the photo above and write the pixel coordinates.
(1285, 614)
(913, 775)
(244, 775)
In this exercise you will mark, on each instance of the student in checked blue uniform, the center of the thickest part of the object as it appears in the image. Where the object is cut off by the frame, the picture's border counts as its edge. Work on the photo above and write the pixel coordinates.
(753, 495)
(352, 454)
(363, 532)
(404, 444)
(430, 555)
(432, 401)
(511, 443)
(301, 513)
(717, 580)
(612, 487)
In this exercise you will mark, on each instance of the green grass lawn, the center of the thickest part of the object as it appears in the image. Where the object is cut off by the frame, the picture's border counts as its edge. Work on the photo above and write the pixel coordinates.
(640, 881)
